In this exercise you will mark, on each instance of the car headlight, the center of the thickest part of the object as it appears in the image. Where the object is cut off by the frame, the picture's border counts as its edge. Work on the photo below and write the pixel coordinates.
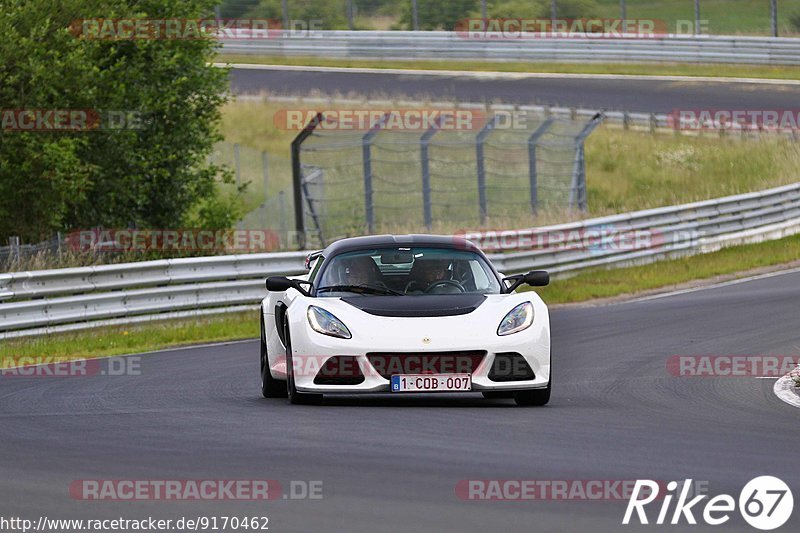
(518, 319)
(324, 322)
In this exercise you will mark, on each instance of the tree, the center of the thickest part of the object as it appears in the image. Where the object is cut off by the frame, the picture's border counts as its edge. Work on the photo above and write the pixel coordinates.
(153, 177)
(439, 14)
(331, 13)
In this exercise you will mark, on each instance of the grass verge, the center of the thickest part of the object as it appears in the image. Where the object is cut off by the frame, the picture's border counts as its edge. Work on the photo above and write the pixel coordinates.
(729, 263)
(637, 69)
(120, 340)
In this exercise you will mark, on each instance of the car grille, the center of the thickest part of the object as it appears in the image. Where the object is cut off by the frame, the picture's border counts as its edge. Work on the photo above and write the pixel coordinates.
(390, 363)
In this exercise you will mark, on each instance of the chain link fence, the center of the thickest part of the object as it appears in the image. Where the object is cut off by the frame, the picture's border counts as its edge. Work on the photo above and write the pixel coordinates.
(386, 180)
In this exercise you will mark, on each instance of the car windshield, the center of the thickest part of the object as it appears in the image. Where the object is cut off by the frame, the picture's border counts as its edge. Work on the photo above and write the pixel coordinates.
(400, 271)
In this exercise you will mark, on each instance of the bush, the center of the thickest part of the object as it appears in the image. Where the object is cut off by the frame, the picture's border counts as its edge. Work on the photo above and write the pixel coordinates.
(152, 177)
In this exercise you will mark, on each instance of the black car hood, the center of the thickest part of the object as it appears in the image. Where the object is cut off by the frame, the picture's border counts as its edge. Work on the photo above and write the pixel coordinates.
(417, 306)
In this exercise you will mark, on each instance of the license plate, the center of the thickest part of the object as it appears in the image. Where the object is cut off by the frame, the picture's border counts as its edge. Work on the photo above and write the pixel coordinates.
(431, 382)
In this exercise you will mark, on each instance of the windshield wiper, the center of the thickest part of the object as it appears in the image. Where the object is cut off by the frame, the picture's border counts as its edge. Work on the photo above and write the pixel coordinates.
(360, 289)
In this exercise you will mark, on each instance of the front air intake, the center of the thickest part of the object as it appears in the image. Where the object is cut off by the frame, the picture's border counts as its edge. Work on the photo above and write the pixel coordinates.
(510, 366)
(340, 370)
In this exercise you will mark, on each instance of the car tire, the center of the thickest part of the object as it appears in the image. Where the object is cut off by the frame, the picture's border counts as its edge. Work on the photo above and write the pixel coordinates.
(295, 397)
(497, 394)
(533, 397)
(270, 387)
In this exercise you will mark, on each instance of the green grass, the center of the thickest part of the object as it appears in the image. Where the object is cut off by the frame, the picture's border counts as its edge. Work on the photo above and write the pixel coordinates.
(725, 17)
(590, 284)
(120, 340)
(600, 283)
(641, 69)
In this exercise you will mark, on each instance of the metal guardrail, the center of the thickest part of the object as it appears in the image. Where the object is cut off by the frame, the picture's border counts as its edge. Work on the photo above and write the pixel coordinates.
(57, 300)
(405, 45)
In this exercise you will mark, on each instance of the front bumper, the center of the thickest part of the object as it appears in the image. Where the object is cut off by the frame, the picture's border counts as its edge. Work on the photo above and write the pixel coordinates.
(311, 351)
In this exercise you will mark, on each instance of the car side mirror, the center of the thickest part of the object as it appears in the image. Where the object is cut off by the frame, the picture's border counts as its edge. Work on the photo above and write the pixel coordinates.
(537, 278)
(534, 278)
(282, 283)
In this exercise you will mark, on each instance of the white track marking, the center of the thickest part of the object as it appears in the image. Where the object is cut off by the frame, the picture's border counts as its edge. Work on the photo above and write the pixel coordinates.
(786, 390)
(715, 285)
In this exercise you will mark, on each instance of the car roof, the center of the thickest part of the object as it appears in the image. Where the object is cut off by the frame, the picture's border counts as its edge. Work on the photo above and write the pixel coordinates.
(378, 241)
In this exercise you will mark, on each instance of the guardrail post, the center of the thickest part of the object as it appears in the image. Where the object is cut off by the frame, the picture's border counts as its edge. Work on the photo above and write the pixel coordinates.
(297, 177)
(481, 163)
(414, 15)
(424, 141)
(577, 194)
(532, 140)
(366, 154)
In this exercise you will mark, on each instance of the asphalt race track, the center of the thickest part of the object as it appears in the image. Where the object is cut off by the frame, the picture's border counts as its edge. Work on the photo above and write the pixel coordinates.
(392, 463)
(648, 96)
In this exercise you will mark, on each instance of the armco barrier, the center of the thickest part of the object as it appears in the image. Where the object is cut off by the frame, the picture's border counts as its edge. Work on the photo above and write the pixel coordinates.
(427, 45)
(57, 300)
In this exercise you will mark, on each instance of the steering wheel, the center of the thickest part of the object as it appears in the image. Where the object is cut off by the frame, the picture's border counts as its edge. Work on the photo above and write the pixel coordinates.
(445, 283)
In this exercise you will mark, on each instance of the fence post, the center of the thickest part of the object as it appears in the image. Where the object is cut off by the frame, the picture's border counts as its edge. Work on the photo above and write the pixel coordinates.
(13, 243)
(349, 7)
(414, 16)
(285, 13)
(773, 10)
(696, 17)
(577, 193)
(424, 141)
(532, 140)
(481, 163)
(237, 165)
(623, 11)
(297, 177)
(366, 155)
(265, 169)
(282, 211)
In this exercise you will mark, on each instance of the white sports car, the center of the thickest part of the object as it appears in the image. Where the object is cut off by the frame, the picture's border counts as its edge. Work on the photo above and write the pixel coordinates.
(404, 314)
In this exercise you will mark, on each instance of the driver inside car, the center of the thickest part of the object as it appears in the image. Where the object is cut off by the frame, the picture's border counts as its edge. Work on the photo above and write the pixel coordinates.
(425, 273)
(361, 271)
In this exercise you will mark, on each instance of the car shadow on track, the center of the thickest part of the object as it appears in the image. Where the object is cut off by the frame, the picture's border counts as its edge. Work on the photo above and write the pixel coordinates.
(409, 400)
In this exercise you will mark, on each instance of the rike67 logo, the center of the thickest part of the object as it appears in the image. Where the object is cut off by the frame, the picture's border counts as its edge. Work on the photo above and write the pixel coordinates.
(765, 503)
